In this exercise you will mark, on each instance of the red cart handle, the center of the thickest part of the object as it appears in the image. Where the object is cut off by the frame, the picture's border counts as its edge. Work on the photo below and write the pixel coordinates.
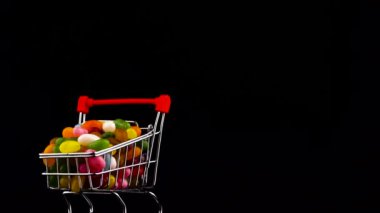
(162, 102)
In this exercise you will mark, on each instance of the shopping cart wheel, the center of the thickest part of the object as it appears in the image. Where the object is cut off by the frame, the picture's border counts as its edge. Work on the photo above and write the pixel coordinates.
(88, 202)
(69, 208)
(121, 201)
(156, 199)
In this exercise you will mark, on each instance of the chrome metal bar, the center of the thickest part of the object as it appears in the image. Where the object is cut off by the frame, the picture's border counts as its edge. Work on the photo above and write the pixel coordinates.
(47, 177)
(80, 118)
(88, 202)
(125, 163)
(97, 153)
(79, 177)
(133, 163)
(117, 166)
(98, 173)
(158, 202)
(67, 172)
(123, 144)
(121, 201)
(147, 157)
(88, 171)
(69, 209)
(158, 148)
(153, 140)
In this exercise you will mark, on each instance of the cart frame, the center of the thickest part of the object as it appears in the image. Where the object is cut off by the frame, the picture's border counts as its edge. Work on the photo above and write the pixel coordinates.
(144, 181)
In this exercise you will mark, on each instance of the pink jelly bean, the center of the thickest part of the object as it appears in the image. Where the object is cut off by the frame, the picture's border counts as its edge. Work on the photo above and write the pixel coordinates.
(121, 184)
(97, 163)
(78, 131)
(83, 168)
(127, 172)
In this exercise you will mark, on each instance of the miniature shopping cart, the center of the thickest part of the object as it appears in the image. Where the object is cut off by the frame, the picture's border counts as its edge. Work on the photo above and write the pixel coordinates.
(71, 172)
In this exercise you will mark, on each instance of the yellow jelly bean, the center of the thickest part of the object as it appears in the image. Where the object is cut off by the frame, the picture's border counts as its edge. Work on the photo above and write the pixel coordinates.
(131, 133)
(69, 146)
(75, 185)
(121, 135)
(112, 181)
(114, 151)
(64, 182)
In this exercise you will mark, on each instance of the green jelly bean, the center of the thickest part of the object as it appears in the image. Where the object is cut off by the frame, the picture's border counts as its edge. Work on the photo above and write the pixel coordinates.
(143, 145)
(121, 124)
(108, 135)
(99, 144)
(53, 181)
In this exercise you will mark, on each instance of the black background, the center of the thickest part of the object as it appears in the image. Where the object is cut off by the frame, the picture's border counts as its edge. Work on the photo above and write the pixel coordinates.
(274, 104)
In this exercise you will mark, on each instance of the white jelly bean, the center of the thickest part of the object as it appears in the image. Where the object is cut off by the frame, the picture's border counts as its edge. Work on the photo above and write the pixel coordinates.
(86, 139)
(109, 126)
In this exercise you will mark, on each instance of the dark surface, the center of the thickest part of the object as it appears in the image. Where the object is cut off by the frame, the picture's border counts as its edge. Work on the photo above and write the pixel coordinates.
(274, 104)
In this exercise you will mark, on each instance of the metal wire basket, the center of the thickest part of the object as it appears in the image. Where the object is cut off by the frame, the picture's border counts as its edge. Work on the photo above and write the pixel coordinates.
(136, 166)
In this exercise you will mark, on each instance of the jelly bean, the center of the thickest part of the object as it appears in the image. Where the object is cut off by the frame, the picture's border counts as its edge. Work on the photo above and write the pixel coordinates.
(109, 126)
(49, 162)
(78, 131)
(91, 150)
(52, 169)
(53, 181)
(137, 129)
(86, 139)
(121, 124)
(69, 146)
(127, 172)
(138, 171)
(107, 183)
(121, 159)
(113, 140)
(83, 168)
(139, 159)
(64, 182)
(108, 135)
(121, 184)
(77, 183)
(114, 151)
(93, 126)
(121, 135)
(63, 168)
(113, 163)
(110, 183)
(144, 144)
(68, 132)
(96, 164)
(97, 134)
(52, 141)
(133, 154)
(58, 143)
(99, 144)
(131, 133)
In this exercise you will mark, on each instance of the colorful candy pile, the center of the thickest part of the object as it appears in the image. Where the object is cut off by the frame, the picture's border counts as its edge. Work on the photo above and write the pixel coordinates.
(92, 136)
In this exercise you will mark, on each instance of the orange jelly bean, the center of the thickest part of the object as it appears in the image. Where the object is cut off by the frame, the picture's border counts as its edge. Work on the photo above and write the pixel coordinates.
(49, 162)
(93, 126)
(137, 129)
(68, 132)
